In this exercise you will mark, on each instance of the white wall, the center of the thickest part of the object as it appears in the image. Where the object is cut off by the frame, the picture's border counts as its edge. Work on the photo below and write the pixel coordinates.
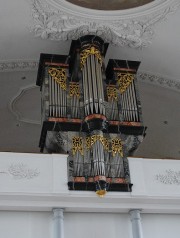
(77, 225)
(25, 224)
(90, 225)
(31, 185)
(161, 226)
(94, 225)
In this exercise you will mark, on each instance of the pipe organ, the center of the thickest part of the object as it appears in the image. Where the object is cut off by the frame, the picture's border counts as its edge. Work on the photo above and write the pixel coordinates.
(92, 113)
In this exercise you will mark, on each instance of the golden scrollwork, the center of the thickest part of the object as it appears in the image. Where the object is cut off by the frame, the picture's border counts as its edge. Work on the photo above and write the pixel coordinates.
(87, 52)
(117, 147)
(124, 80)
(88, 143)
(59, 75)
(102, 139)
(74, 90)
(77, 145)
(112, 93)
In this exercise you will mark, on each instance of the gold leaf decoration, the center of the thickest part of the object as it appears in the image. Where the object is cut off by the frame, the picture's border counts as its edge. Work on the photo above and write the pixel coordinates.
(88, 142)
(117, 147)
(87, 52)
(77, 145)
(59, 75)
(74, 90)
(103, 140)
(112, 93)
(124, 80)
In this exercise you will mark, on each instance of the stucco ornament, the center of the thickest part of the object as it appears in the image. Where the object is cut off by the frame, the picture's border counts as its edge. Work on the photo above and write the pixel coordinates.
(61, 20)
(18, 65)
(21, 171)
(169, 177)
(160, 80)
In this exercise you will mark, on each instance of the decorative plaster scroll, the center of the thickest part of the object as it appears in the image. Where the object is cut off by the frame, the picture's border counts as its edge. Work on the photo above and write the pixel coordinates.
(19, 114)
(18, 66)
(169, 177)
(21, 171)
(60, 20)
(159, 80)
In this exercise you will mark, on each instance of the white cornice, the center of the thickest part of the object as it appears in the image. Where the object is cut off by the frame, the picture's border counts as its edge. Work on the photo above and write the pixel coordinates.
(149, 77)
(18, 65)
(83, 201)
(61, 20)
(159, 80)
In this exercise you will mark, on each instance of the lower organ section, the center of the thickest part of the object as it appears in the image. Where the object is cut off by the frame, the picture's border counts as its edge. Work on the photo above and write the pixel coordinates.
(98, 162)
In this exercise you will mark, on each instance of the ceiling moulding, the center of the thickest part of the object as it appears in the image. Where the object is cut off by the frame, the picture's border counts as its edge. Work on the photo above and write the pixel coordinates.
(61, 20)
(19, 114)
(18, 65)
(159, 80)
(149, 77)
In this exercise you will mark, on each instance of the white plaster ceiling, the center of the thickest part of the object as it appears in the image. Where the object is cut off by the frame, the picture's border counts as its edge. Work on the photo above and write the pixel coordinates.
(20, 100)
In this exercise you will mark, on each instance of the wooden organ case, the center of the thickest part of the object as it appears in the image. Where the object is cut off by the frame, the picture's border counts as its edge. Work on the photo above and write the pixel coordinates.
(91, 113)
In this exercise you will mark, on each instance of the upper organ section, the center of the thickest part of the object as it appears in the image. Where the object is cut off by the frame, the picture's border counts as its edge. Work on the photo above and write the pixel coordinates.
(77, 89)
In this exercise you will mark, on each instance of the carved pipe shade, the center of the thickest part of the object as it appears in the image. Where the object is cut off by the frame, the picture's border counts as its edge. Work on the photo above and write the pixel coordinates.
(109, 5)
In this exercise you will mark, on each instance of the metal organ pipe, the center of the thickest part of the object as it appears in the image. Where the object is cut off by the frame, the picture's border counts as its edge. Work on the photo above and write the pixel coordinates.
(89, 76)
(94, 80)
(135, 102)
(93, 86)
(125, 82)
(57, 92)
(98, 146)
(50, 94)
(74, 93)
(100, 87)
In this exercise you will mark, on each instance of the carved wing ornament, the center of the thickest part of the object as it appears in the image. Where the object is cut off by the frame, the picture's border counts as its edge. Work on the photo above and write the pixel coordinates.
(55, 21)
(59, 75)
(124, 80)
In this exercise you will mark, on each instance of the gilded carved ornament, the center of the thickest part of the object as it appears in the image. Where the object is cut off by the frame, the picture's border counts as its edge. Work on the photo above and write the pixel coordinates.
(124, 80)
(77, 145)
(112, 93)
(88, 143)
(87, 52)
(74, 90)
(59, 75)
(92, 139)
(117, 147)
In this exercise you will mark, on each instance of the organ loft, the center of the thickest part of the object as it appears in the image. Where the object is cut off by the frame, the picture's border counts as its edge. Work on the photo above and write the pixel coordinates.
(92, 113)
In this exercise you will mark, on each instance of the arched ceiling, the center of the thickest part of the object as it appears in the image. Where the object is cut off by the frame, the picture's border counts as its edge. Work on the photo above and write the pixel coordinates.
(26, 31)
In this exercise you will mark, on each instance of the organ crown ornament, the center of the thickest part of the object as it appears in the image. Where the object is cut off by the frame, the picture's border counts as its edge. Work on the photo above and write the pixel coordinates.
(91, 113)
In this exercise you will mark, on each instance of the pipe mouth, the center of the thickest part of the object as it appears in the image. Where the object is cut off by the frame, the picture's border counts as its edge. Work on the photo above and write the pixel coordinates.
(101, 193)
